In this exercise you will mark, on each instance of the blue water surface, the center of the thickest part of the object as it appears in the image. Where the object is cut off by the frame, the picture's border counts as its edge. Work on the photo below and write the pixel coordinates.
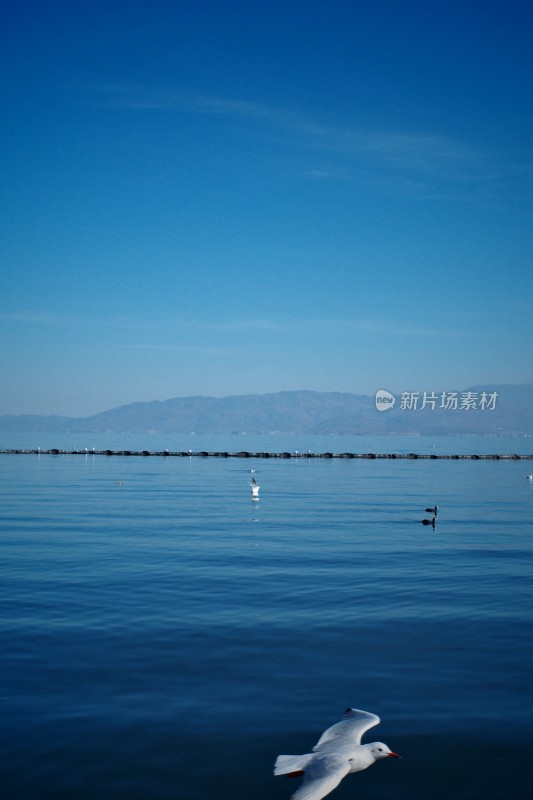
(166, 636)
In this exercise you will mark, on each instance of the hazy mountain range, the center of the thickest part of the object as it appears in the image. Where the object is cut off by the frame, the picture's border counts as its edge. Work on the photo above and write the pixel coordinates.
(300, 412)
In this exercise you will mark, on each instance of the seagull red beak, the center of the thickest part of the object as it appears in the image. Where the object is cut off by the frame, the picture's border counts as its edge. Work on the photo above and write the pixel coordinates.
(393, 755)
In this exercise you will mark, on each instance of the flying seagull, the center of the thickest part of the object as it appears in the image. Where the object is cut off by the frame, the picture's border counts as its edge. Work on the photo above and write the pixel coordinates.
(337, 753)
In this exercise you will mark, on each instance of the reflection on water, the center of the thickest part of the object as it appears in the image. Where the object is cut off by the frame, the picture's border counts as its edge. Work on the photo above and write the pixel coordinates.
(158, 637)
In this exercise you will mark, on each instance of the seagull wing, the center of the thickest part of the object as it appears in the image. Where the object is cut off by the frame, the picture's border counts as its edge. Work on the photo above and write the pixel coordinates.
(352, 727)
(321, 776)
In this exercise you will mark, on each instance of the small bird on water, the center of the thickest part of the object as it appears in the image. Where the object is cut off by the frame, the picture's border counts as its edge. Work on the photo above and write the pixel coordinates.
(337, 753)
(434, 510)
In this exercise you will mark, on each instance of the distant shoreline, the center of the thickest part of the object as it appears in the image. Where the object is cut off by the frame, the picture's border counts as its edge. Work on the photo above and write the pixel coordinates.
(54, 451)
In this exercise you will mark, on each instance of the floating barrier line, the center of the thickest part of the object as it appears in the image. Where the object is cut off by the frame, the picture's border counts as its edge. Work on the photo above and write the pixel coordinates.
(245, 454)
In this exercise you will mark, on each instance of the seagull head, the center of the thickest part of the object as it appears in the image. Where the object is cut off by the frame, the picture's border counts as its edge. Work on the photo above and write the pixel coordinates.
(380, 750)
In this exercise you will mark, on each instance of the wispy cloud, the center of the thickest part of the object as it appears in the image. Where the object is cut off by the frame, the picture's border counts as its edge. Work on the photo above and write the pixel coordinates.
(165, 328)
(237, 326)
(177, 348)
(139, 97)
(31, 317)
(376, 326)
(431, 155)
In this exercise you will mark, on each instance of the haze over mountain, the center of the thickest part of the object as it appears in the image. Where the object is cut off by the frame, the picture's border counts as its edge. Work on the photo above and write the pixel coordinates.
(309, 412)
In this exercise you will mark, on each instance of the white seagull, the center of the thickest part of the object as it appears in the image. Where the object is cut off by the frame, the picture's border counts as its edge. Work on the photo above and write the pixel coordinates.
(337, 753)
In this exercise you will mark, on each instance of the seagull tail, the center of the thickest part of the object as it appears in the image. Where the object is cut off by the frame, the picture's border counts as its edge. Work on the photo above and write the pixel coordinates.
(285, 765)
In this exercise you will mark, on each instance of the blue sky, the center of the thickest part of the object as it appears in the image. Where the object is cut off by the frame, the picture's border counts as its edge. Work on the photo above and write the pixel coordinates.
(234, 198)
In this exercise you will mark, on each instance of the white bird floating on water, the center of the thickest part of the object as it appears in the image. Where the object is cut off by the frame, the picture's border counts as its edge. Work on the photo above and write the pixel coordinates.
(337, 753)
(254, 485)
(529, 477)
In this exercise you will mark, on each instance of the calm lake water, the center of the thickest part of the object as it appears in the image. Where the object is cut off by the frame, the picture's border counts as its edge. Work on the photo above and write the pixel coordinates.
(164, 636)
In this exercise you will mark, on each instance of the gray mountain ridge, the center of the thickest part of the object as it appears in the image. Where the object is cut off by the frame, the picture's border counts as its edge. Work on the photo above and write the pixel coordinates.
(298, 412)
